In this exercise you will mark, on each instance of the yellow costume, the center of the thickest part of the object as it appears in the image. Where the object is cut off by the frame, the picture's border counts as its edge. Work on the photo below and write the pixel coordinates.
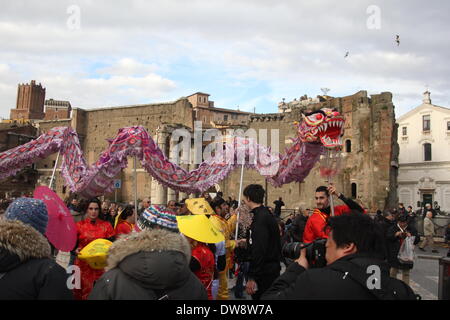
(227, 227)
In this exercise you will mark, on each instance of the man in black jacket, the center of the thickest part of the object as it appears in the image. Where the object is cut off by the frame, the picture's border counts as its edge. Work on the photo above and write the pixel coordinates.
(278, 204)
(355, 267)
(264, 243)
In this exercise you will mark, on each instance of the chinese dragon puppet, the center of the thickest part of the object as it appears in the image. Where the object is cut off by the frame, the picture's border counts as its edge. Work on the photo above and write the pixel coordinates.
(317, 132)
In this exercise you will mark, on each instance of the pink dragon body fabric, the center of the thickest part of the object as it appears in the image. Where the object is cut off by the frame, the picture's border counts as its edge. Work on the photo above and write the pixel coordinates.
(97, 179)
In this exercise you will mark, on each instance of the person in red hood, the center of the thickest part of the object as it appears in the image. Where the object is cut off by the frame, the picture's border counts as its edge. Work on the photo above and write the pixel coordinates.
(126, 221)
(202, 264)
(314, 228)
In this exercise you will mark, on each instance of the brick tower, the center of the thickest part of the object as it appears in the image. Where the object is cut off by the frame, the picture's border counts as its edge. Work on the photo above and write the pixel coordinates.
(56, 109)
(30, 102)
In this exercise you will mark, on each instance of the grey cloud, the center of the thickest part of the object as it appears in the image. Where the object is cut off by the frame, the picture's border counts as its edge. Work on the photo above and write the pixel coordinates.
(289, 44)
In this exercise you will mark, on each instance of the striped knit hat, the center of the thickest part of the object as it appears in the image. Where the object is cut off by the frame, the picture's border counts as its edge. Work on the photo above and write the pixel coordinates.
(32, 212)
(157, 216)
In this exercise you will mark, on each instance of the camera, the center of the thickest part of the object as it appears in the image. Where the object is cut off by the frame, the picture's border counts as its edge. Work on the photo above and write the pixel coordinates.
(315, 252)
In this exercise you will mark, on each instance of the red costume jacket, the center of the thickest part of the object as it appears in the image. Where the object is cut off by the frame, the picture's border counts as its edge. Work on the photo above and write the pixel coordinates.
(86, 233)
(123, 227)
(207, 264)
(317, 222)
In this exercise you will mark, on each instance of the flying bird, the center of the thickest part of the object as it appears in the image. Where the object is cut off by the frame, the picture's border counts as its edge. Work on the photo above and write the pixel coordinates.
(398, 40)
(346, 55)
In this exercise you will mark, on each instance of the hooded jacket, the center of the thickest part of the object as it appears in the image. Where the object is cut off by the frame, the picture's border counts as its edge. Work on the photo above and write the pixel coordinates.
(345, 279)
(149, 265)
(26, 270)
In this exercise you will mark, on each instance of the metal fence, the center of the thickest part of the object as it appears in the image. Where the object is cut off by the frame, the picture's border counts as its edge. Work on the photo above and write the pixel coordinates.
(440, 224)
(287, 212)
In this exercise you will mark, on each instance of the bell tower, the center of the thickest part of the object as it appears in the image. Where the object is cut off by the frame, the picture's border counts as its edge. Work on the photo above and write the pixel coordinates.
(30, 102)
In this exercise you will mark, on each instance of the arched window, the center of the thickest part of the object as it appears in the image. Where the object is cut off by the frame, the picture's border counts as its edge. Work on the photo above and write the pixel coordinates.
(427, 151)
(354, 193)
(348, 146)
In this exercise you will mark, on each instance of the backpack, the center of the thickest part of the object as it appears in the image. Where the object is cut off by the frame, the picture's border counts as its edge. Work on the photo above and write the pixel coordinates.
(394, 289)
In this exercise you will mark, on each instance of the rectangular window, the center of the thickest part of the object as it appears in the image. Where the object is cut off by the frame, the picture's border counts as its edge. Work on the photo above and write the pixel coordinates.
(405, 132)
(225, 117)
(448, 125)
(427, 151)
(426, 123)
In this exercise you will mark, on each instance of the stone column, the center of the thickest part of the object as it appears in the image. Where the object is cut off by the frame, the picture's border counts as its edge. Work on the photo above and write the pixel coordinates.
(186, 164)
(159, 192)
(192, 166)
(173, 156)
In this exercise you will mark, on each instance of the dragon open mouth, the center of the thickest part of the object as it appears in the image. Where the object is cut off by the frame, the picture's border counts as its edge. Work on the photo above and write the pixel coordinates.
(331, 132)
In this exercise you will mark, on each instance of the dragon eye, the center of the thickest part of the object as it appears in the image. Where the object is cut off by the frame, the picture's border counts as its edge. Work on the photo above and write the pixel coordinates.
(335, 113)
(314, 119)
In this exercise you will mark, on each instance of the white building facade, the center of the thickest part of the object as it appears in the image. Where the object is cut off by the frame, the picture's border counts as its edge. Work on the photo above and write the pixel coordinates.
(424, 159)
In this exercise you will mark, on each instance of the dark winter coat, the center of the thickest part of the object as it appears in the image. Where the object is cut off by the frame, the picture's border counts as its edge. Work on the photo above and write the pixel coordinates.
(447, 234)
(26, 270)
(393, 246)
(278, 204)
(385, 225)
(412, 219)
(345, 279)
(297, 227)
(149, 265)
(264, 242)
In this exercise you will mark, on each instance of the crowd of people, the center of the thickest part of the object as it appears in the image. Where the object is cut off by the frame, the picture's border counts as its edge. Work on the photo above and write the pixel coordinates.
(151, 258)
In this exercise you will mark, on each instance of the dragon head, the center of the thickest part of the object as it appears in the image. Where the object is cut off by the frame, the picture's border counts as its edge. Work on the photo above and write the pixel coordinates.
(325, 126)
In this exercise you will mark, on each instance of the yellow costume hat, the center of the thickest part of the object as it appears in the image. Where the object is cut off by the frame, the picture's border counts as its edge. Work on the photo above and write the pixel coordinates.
(199, 206)
(96, 253)
(200, 228)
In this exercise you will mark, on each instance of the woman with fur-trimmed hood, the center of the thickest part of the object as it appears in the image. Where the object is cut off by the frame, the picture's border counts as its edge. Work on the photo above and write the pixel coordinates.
(150, 265)
(27, 271)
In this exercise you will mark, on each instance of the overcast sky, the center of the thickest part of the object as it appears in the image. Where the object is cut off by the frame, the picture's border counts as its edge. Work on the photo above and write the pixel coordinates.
(246, 53)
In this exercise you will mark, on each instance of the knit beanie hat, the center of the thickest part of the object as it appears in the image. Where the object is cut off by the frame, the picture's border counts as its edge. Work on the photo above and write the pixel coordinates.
(30, 211)
(157, 216)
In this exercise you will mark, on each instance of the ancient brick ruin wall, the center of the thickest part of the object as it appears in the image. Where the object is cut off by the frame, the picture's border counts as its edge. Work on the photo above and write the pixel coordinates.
(55, 113)
(370, 125)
